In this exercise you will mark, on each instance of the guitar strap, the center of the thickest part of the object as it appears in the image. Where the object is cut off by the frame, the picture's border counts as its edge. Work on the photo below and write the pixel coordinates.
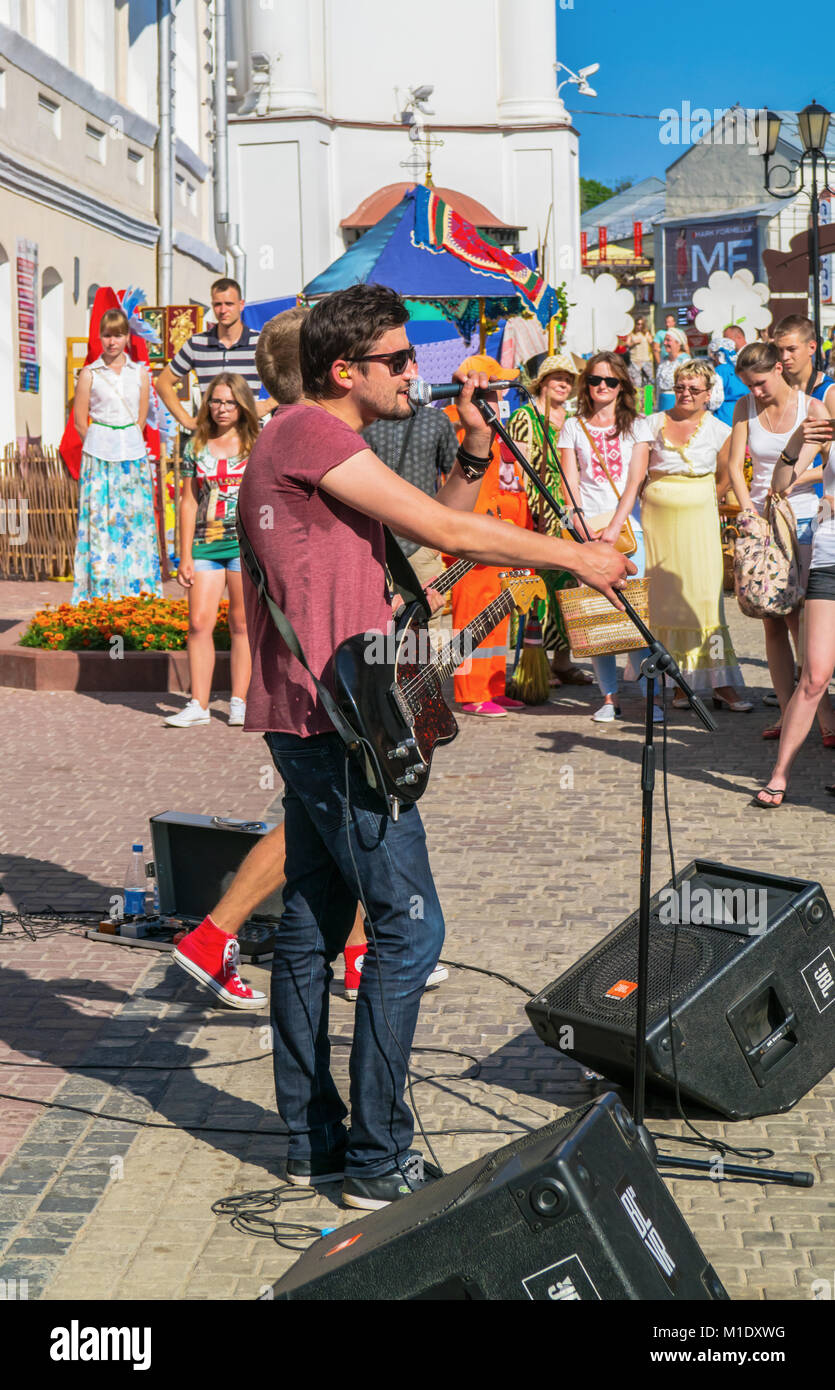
(405, 582)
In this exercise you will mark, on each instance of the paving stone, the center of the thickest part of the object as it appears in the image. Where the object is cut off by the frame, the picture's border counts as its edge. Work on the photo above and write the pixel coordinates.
(537, 885)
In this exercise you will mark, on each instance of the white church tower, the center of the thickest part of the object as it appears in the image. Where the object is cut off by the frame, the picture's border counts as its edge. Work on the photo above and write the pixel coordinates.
(315, 129)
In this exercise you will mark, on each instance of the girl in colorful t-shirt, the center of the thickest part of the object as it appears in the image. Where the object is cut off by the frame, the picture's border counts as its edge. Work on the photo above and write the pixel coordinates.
(213, 466)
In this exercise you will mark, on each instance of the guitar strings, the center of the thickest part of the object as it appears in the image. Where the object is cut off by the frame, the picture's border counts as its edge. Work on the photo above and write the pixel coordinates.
(438, 663)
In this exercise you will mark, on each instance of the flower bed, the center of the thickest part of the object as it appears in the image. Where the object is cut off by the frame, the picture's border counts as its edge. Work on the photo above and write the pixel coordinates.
(143, 623)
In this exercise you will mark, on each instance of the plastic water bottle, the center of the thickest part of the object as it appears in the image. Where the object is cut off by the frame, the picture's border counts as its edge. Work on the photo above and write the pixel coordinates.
(135, 884)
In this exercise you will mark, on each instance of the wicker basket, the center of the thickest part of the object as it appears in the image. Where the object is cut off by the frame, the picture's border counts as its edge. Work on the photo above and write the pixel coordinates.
(729, 533)
(595, 628)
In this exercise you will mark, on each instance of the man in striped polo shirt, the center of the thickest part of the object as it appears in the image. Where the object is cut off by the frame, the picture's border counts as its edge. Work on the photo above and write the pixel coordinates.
(226, 346)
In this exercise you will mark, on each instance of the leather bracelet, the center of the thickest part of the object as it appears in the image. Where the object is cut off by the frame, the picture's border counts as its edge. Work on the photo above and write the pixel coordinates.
(471, 465)
(784, 458)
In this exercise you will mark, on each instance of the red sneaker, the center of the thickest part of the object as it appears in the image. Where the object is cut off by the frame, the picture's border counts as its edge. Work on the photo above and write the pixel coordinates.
(211, 956)
(354, 957)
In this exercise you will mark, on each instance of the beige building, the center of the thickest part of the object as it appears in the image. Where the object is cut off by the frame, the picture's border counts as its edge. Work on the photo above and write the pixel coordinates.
(79, 186)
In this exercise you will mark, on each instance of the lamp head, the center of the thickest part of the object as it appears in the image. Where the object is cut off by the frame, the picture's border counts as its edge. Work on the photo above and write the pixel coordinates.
(767, 130)
(813, 124)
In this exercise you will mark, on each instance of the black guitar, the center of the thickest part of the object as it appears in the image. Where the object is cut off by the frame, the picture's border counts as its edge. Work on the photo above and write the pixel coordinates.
(388, 686)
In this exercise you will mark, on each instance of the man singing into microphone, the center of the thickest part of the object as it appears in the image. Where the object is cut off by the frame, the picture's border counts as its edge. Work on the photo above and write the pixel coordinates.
(312, 501)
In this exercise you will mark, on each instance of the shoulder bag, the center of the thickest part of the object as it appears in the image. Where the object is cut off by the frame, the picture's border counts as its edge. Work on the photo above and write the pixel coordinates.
(626, 542)
(767, 561)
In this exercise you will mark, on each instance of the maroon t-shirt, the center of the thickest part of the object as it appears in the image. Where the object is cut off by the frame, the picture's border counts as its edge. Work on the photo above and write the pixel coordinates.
(324, 564)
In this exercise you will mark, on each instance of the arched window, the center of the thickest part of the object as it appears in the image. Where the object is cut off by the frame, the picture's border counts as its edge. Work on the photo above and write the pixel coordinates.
(92, 291)
(53, 358)
(7, 338)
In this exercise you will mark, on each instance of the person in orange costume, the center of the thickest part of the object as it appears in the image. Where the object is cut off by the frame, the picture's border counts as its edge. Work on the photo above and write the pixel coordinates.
(480, 682)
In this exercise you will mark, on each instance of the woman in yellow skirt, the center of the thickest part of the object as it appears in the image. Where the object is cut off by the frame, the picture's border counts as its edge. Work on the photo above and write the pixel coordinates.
(680, 518)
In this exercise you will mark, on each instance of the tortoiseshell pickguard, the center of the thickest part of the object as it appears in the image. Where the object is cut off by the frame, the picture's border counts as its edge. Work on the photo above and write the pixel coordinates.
(434, 721)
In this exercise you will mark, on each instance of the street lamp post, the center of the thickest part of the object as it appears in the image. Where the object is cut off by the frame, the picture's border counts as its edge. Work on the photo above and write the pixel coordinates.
(813, 124)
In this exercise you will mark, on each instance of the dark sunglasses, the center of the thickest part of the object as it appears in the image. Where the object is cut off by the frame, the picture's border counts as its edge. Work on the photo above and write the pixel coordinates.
(603, 381)
(395, 361)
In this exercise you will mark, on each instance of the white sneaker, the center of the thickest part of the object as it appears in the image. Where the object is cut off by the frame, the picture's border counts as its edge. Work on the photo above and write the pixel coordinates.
(237, 711)
(193, 713)
(439, 974)
(607, 714)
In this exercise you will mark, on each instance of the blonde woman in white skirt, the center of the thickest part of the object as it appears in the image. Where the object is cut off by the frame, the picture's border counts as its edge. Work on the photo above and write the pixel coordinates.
(680, 518)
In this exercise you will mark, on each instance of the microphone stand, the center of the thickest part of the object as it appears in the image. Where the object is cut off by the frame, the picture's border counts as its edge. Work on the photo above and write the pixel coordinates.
(658, 662)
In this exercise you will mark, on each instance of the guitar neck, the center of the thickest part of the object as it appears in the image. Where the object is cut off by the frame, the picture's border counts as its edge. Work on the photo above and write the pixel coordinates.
(471, 636)
(450, 577)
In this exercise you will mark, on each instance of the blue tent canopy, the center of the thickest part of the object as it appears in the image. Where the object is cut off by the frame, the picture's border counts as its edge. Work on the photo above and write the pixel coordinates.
(388, 255)
(257, 312)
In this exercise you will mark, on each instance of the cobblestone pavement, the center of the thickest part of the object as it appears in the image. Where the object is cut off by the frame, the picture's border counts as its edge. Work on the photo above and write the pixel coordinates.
(533, 825)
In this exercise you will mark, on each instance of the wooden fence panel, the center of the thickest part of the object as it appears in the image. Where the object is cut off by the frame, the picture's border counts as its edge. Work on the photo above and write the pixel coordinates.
(38, 515)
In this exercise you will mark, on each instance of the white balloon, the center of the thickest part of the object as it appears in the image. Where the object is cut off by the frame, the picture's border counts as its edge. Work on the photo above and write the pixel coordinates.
(598, 314)
(736, 298)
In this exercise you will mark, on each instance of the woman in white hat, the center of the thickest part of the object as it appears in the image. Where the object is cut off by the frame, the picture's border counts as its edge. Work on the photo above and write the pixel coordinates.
(676, 352)
(552, 388)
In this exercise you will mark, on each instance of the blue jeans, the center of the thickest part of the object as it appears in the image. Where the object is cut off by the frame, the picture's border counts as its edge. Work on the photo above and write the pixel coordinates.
(320, 899)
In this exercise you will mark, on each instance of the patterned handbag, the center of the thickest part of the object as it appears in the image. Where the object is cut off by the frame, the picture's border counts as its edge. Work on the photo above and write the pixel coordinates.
(767, 561)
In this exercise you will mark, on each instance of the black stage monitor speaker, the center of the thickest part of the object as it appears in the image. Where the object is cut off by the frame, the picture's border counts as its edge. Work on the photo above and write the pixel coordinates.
(196, 858)
(753, 974)
(573, 1211)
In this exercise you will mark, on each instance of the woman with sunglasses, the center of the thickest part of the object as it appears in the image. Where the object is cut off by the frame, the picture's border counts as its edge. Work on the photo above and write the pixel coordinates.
(213, 467)
(688, 464)
(603, 449)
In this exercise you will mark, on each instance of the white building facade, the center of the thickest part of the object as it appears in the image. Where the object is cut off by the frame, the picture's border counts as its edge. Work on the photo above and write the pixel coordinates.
(313, 128)
(79, 194)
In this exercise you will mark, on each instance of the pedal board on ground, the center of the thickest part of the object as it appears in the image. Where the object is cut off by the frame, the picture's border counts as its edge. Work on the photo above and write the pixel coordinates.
(255, 938)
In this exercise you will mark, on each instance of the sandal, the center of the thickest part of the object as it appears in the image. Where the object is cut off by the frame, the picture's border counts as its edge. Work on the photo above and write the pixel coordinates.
(782, 792)
(572, 675)
(774, 732)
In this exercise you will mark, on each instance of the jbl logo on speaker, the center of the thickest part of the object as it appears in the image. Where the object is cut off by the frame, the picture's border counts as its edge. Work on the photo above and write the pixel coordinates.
(564, 1282)
(819, 975)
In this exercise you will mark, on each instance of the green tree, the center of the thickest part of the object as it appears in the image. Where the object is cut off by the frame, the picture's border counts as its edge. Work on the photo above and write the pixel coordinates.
(592, 192)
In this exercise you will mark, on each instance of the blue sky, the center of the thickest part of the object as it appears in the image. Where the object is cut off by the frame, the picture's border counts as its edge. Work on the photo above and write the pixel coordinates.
(663, 53)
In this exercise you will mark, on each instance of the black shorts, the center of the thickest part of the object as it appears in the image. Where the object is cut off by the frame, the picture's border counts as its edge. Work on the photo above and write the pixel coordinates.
(821, 583)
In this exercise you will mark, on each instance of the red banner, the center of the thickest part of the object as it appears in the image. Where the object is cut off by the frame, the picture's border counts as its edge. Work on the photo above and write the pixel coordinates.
(602, 242)
(638, 234)
(584, 247)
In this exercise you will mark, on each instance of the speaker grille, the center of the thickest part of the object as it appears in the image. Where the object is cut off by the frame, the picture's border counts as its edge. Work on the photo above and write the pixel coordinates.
(699, 952)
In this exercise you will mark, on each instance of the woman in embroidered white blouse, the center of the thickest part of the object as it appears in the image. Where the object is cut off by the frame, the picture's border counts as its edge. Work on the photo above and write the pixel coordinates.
(680, 517)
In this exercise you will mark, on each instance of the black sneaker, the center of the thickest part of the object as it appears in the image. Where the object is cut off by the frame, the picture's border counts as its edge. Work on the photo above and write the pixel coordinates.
(319, 1168)
(369, 1194)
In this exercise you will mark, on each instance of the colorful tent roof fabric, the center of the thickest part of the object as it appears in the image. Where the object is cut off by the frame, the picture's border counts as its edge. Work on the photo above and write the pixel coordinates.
(439, 227)
(425, 250)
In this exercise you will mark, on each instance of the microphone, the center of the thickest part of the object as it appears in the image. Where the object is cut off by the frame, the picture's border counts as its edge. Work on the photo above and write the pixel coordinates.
(421, 393)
